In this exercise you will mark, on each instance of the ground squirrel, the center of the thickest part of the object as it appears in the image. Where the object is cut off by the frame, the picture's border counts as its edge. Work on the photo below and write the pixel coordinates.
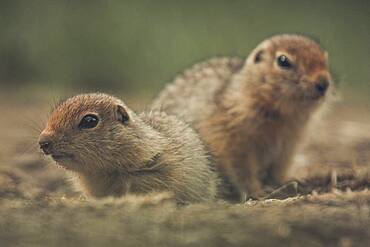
(252, 113)
(115, 151)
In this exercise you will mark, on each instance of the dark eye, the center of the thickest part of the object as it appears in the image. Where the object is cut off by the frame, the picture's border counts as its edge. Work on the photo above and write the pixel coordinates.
(88, 122)
(284, 62)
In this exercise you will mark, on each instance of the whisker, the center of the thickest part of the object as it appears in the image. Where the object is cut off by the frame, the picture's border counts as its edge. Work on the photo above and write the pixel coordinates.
(27, 149)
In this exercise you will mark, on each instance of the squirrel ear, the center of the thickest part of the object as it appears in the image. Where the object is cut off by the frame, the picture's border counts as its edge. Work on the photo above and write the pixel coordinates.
(122, 114)
(326, 54)
(258, 57)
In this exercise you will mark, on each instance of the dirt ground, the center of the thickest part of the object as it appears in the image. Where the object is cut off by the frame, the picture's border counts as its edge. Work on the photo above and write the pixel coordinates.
(40, 207)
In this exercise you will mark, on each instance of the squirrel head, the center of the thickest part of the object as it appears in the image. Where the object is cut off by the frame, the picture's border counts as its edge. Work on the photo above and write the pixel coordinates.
(291, 67)
(85, 131)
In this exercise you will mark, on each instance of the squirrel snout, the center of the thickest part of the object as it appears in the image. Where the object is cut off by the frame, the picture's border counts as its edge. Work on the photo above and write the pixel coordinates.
(45, 144)
(322, 85)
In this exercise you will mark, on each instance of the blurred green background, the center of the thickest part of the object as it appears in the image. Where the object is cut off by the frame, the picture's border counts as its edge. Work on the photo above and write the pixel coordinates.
(137, 46)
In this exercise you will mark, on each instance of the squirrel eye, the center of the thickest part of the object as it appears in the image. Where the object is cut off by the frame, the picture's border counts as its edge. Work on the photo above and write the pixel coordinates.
(283, 62)
(89, 121)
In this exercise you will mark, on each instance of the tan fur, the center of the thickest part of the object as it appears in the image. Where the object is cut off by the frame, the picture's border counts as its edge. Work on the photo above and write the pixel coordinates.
(251, 114)
(152, 152)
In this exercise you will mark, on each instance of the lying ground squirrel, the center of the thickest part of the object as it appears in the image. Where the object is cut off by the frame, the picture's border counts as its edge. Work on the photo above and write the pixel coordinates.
(115, 152)
(251, 114)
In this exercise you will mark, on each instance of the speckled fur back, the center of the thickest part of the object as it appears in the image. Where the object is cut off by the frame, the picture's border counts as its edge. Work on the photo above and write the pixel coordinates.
(211, 76)
(185, 153)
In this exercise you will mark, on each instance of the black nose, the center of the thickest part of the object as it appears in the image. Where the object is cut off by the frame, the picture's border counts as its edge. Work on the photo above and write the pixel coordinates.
(45, 146)
(322, 86)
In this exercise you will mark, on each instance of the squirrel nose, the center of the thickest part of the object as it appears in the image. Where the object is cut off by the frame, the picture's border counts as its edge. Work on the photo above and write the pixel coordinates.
(45, 146)
(321, 86)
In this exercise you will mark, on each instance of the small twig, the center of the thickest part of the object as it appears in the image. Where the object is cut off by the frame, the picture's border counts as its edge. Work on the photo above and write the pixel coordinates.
(285, 191)
(333, 179)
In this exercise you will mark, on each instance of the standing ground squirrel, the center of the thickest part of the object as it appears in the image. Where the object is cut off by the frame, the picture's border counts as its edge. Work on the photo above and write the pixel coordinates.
(114, 151)
(251, 114)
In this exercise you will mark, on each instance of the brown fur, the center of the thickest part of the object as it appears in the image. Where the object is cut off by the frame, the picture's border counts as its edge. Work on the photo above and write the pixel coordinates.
(151, 152)
(252, 113)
